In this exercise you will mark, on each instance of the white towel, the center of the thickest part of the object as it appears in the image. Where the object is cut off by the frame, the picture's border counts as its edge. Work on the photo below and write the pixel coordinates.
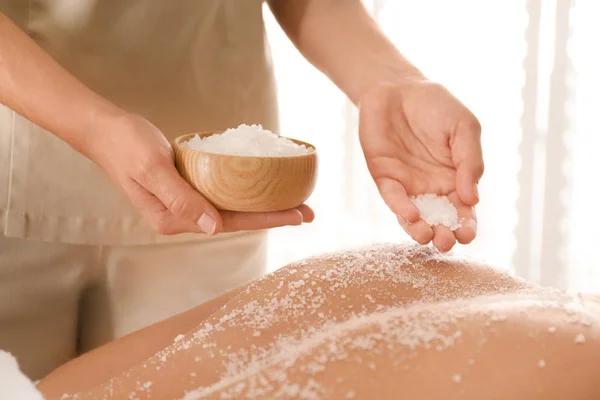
(14, 385)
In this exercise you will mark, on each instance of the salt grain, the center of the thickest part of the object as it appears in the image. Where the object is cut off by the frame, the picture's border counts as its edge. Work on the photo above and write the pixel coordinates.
(580, 338)
(437, 210)
(457, 378)
(541, 363)
(178, 338)
(247, 140)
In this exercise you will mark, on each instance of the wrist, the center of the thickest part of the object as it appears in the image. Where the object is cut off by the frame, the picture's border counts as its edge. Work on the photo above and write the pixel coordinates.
(402, 81)
(387, 67)
(104, 123)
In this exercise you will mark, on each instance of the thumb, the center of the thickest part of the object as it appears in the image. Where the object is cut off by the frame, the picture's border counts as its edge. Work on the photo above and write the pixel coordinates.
(183, 201)
(468, 160)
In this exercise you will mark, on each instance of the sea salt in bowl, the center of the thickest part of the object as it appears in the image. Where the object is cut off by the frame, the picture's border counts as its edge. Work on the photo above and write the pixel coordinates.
(248, 175)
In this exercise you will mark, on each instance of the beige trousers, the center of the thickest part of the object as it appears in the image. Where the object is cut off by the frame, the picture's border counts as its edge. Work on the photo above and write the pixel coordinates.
(58, 300)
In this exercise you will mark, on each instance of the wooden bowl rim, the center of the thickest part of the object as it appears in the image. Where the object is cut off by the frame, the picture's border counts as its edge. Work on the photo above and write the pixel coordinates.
(182, 138)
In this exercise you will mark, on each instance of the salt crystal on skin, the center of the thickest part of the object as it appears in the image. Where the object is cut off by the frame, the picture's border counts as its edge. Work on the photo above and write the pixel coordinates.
(437, 210)
(456, 378)
(179, 337)
(13, 383)
(541, 363)
(580, 338)
(247, 140)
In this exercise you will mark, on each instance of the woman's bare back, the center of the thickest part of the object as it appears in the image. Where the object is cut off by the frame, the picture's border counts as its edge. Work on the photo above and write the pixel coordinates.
(372, 323)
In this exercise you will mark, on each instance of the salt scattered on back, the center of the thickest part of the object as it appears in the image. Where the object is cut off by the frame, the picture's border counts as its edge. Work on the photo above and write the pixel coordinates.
(247, 140)
(425, 323)
(437, 210)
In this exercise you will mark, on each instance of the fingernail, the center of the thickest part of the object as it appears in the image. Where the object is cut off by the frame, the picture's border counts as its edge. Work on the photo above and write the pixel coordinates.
(207, 224)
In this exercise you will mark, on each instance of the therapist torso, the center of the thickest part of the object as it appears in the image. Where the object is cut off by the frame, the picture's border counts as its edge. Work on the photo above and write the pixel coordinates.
(79, 265)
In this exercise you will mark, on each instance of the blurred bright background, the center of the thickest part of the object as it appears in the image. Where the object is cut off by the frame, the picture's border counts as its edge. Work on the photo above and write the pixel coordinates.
(529, 72)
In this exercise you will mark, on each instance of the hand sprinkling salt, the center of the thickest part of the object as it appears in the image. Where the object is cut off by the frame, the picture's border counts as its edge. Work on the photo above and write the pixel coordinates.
(437, 210)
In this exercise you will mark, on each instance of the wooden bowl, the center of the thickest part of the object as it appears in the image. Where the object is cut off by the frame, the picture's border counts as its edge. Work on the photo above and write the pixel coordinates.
(245, 183)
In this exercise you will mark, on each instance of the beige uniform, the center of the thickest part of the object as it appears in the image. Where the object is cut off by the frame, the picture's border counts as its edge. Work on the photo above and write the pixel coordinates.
(78, 264)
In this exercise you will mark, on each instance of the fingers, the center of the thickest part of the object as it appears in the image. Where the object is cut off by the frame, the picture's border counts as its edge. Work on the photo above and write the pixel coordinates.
(166, 223)
(241, 221)
(467, 232)
(468, 159)
(156, 212)
(173, 207)
(396, 198)
(419, 231)
(466, 216)
(308, 215)
(443, 238)
(191, 212)
(181, 200)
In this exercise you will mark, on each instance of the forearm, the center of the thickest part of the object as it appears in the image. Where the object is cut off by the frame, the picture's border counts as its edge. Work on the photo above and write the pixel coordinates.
(341, 39)
(37, 87)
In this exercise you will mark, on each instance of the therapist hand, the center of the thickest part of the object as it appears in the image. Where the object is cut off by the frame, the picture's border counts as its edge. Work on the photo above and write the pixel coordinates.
(418, 138)
(139, 159)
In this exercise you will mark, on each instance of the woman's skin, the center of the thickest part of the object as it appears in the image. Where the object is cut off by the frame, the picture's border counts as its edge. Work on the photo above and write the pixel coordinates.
(382, 322)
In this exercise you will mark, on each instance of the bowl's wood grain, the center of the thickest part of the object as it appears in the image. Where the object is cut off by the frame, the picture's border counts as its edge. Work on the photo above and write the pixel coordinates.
(243, 183)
